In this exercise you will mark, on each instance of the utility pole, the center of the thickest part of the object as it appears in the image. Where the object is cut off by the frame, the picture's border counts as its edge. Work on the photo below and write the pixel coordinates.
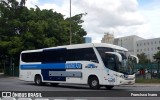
(70, 25)
(121, 42)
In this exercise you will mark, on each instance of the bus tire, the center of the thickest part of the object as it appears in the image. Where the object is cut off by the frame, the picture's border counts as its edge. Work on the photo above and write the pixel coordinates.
(38, 80)
(94, 83)
(109, 87)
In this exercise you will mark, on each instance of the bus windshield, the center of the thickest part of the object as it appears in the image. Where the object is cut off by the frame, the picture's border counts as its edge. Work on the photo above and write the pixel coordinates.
(127, 64)
(125, 67)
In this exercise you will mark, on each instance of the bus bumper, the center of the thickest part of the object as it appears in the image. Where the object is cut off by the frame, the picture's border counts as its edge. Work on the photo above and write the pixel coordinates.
(130, 79)
(127, 82)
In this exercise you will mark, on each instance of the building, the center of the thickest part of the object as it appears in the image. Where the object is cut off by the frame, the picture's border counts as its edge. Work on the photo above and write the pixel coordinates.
(137, 45)
(148, 46)
(87, 40)
(108, 38)
(128, 42)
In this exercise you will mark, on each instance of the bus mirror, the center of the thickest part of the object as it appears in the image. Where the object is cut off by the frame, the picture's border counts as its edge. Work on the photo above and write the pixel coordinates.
(115, 54)
(134, 57)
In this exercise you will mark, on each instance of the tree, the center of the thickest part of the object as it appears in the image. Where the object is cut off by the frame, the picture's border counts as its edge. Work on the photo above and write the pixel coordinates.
(23, 2)
(143, 58)
(77, 31)
(25, 29)
(157, 56)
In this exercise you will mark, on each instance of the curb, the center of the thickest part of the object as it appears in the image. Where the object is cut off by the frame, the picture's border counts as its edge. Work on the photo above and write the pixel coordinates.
(142, 85)
(1, 73)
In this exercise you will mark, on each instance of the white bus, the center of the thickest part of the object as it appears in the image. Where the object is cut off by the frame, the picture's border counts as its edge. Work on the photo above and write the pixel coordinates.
(95, 64)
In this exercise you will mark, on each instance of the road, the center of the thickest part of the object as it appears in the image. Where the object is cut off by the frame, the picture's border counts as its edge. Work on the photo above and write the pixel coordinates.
(14, 84)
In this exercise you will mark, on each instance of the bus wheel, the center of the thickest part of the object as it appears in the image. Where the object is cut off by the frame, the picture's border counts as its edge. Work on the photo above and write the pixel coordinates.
(109, 87)
(38, 80)
(94, 83)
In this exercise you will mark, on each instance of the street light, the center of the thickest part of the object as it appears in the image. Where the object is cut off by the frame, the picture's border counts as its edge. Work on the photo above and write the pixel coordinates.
(70, 25)
(121, 42)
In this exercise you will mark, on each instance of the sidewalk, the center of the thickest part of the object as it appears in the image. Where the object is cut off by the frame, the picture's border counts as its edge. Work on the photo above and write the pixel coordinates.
(5, 76)
(147, 84)
(1, 74)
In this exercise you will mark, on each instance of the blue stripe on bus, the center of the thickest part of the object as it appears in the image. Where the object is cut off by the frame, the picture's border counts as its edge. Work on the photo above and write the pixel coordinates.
(52, 66)
(43, 66)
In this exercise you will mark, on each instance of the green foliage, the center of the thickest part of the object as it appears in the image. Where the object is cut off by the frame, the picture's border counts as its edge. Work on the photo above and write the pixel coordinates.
(143, 58)
(24, 29)
(157, 56)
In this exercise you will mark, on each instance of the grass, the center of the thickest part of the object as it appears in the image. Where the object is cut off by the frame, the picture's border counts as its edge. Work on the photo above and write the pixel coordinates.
(141, 80)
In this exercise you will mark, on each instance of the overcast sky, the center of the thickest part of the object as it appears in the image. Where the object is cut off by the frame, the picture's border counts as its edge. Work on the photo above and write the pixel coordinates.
(121, 17)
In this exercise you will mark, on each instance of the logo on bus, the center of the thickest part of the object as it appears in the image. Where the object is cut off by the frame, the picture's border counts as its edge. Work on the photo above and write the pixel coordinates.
(91, 66)
(73, 66)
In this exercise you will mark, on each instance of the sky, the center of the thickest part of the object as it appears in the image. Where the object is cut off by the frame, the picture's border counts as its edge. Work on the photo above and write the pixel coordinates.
(120, 17)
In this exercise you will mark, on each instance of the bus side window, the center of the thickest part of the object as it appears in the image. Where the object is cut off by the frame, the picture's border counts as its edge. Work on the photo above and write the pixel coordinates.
(54, 56)
(82, 54)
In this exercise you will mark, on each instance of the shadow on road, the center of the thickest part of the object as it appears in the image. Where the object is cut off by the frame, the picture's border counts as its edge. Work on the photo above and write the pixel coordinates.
(79, 87)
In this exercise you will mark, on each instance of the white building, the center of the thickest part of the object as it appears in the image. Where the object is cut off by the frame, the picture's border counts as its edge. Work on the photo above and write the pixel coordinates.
(137, 45)
(128, 42)
(149, 47)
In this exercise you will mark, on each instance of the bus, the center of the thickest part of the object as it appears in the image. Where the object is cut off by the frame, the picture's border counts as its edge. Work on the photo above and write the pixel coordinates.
(94, 64)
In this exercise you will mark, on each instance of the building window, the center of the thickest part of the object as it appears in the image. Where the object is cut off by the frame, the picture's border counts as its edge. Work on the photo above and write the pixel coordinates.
(137, 45)
(144, 43)
(137, 50)
(155, 42)
(148, 43)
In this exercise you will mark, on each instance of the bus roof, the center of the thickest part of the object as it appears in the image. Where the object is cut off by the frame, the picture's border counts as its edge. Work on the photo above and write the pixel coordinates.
(81, 46)
(110, 46)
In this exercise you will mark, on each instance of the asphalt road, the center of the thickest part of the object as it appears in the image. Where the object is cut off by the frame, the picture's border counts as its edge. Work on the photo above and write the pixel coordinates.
(14, 84)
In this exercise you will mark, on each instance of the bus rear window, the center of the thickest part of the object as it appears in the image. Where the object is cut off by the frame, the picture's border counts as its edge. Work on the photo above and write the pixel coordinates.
(32, 57)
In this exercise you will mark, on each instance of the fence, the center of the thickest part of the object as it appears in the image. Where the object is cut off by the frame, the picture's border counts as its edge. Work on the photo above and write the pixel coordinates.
(9, 70)
(147, 71)
(12, 71)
